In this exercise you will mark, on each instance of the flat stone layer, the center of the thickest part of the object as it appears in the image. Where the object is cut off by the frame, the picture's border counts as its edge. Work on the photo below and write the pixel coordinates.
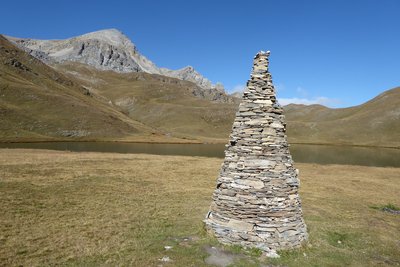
(256, 201)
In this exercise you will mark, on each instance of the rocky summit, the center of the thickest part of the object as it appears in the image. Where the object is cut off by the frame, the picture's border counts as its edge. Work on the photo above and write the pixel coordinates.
(256, 201)
(105, 50)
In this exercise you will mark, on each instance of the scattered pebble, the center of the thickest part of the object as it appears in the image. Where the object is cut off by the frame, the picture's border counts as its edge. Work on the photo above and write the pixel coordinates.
(165, 259)
(339, 242)
(304, 254)
(168, 247)
(272, 254)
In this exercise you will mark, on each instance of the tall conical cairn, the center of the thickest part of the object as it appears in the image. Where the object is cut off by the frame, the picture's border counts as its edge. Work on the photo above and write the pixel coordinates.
(256, 201)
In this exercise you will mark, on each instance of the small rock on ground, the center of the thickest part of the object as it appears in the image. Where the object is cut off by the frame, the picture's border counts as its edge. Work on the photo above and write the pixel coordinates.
(165, 259)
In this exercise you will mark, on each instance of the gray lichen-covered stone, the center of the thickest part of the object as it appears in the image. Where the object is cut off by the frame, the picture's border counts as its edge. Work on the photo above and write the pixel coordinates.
(256, 202)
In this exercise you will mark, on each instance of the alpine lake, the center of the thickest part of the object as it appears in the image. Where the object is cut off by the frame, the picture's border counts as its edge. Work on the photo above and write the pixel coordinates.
(302, 153)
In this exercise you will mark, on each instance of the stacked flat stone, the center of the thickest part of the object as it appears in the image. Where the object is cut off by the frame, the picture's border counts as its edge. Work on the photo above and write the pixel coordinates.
(256, 201)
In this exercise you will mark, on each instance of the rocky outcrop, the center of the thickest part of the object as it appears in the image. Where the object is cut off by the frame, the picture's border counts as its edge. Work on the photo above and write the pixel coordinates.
(237, 95)
(256, 201)
(105, 50)
(188, 74)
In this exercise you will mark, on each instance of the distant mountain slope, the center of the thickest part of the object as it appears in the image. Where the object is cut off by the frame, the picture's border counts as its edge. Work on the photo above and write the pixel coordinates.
(74, 101)
(168, 104)
(376, 122)
(105, 50)
(39, 103)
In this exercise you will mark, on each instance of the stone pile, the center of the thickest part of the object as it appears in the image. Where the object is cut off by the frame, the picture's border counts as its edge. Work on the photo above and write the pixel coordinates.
(256, 201)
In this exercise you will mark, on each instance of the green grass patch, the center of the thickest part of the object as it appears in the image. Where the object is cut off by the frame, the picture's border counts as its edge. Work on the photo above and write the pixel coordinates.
(339, 239)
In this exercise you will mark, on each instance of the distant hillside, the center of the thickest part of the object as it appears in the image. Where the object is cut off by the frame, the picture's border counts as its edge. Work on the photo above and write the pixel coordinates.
(375, 123)
(76, 102)
(73, 101)
(175, 107)
(39, 103)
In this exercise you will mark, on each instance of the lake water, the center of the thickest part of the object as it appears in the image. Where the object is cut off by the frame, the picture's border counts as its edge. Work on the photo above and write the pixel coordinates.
(321, 154)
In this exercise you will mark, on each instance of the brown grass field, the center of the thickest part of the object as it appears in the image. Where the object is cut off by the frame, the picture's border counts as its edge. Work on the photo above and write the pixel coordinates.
(104, 209)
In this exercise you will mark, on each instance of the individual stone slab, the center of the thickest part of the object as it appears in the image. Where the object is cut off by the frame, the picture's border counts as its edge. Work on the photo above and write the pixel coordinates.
(256, 201)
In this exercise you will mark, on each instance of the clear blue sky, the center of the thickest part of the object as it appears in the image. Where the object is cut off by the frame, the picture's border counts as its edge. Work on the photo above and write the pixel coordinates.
(339, 52)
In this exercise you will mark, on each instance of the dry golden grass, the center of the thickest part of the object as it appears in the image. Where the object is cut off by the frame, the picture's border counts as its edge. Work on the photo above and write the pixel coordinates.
(91, 209)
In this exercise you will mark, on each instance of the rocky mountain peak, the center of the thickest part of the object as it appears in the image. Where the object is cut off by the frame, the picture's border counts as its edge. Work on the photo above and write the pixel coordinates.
(107, 49)
(110, 36)
(188, 73)
(188, 69)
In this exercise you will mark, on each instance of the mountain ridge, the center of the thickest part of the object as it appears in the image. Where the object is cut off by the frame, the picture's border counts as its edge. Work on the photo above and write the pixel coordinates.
(74, 101)
(373, 123)
(33, 96)
(107, 49)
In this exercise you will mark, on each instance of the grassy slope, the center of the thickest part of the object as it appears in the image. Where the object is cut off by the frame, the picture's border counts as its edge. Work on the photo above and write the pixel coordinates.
(376, 122)
(164, 103)
(100, 209)
(168, 104)
(39, 103)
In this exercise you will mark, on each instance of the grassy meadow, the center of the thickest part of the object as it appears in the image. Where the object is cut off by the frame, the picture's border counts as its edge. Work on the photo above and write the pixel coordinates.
(104, 209)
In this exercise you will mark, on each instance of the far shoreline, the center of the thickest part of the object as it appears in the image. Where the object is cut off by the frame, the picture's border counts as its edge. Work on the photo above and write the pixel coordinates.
(184, 142)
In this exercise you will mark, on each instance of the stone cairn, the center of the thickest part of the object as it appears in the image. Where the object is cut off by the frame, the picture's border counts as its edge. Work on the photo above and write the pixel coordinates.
(256, 201)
